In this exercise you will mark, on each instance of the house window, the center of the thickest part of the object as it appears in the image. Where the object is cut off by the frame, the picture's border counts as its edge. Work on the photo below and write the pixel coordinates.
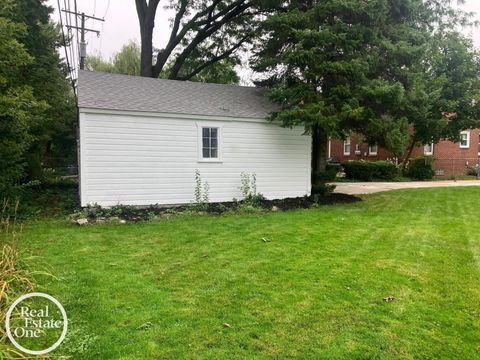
(346, 146)
(209, 143)
(428, 149)
(357, 149)
(372, 149)
(465, 139)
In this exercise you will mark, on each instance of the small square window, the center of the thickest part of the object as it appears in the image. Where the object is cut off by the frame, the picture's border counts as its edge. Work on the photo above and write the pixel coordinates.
(428, 149)
(465, 139)
(210, 143)
(373, 149)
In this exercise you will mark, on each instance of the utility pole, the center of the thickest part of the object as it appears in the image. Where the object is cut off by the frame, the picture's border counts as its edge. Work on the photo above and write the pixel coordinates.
(83, 30)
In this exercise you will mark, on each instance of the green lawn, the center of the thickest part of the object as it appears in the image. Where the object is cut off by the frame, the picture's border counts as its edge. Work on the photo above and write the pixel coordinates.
(167, 289)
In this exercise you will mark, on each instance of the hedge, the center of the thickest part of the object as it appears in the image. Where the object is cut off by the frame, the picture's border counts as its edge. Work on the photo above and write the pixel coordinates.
(420, 168)
(329, 174)
(370, 170)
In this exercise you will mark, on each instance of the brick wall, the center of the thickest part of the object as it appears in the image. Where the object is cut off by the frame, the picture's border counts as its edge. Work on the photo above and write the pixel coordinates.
(450, 158)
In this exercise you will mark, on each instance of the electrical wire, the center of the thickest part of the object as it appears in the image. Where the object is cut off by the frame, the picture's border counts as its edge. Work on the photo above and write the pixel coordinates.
(69, 68)
(103, 23)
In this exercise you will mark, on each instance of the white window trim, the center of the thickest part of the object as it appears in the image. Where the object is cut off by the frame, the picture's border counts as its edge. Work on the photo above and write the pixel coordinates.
(468, 140)
(201, 159)
(370, 152)
(347, 141)
(425, 152)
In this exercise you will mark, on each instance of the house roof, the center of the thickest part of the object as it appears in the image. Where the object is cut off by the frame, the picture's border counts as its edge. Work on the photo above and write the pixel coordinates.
(134, 93)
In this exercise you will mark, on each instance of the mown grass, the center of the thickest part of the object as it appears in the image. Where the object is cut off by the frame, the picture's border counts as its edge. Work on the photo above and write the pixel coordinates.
(304, 284)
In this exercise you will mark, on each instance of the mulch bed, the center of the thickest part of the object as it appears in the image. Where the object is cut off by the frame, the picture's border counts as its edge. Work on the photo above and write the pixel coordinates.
(135, 214)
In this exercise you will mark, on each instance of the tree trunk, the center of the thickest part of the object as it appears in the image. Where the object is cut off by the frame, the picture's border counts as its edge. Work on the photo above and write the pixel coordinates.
(408, 154)
(146, 18)
(146, 54)
(319, 150)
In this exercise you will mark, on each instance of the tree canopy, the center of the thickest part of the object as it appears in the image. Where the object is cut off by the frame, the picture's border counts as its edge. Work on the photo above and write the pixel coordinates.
(37, 106)
(218, 27)
(344, 66)
(127, 62)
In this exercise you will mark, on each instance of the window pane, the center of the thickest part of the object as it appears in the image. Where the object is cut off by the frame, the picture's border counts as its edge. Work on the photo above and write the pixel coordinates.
(213, 133)
(213, 143)
(205, 142)
(347, 148)
(206, 153)
(214, 153)
(206, 132)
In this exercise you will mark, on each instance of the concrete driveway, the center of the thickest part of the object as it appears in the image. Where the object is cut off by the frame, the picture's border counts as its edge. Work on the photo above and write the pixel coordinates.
(357, 188)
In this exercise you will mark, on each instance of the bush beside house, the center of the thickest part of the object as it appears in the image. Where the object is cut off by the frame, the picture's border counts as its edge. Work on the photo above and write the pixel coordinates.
(420, 168)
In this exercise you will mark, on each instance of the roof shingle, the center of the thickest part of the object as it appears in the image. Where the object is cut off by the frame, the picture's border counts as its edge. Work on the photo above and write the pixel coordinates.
(134, 93)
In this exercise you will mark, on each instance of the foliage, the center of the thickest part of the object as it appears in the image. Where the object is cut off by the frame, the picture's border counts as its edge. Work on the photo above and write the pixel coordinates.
(370, 170)
(126, 61)
(321, 269)
(18, 107)
(54, 133)
(344, 66)
(37, 109)
(15, 278)
(329, 174)
(322, 189)
(420, 168)
(201, 193)
(219, 29)
(249, 190)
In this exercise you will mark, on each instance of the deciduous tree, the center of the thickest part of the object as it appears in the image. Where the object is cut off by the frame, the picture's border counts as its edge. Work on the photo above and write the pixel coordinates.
(222, 26)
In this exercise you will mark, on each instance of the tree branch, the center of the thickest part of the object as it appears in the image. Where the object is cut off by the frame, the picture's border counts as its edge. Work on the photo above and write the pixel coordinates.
(202, 35)
(194, 22)
(214, 60)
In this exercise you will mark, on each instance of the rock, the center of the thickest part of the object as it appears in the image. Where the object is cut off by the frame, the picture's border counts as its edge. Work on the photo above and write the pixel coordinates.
(82, 221)
(275, 208)
(122, 221)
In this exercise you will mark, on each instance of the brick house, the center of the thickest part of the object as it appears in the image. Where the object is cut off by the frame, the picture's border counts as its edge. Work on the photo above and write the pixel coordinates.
(450, 159)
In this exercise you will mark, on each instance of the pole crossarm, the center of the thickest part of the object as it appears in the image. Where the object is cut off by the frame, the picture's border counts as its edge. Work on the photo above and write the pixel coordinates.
(83, 29)
(80, 14)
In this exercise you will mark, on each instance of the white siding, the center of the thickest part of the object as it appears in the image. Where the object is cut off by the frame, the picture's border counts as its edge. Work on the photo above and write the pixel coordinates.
(133, 159)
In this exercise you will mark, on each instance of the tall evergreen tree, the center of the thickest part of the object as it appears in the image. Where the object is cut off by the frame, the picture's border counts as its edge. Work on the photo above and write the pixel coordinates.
(342, 66)
(18, 107)
(55, 133)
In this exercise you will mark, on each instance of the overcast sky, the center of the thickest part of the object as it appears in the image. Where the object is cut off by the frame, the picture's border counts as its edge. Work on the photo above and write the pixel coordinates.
(121, 23)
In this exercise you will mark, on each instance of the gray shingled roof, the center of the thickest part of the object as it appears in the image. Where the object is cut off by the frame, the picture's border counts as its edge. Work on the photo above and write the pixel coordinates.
(122, 92)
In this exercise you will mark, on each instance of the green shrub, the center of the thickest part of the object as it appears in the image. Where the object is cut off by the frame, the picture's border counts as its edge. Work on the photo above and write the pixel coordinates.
(370, 170)
(329, 174)
(322, 189)
(420, 168)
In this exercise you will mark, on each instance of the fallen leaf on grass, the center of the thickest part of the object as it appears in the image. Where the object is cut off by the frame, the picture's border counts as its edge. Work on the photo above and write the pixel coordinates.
(145, 326)
(265, 240)
(389, 298)
(226, 325)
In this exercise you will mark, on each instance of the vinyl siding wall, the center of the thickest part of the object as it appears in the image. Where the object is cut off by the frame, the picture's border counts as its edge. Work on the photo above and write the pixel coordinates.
(137, 159)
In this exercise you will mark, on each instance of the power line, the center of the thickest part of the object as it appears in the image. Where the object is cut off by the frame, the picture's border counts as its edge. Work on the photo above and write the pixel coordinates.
(83, 30)
(68, 21)
(104, 16)
(69, 68)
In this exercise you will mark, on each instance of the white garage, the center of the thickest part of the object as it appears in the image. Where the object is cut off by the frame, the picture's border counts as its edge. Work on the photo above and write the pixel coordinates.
(142, 139)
